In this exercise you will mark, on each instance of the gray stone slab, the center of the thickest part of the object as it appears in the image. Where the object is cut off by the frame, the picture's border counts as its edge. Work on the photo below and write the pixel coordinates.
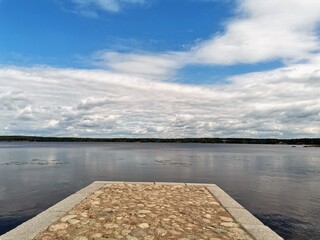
(91, 188)
(262, 232)
(244, 217)
(248, 221)
(170, 183)
(143, 183)
(68, 203)
(223, 197)
(228, 202)
(109, 182)
(216, 191)
(202, 184)
(30, 229)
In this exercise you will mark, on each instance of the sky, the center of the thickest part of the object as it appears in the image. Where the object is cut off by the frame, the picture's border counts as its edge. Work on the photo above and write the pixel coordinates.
(160, 68)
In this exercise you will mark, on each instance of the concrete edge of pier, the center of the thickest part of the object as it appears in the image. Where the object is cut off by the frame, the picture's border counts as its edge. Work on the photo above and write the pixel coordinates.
(31, 228)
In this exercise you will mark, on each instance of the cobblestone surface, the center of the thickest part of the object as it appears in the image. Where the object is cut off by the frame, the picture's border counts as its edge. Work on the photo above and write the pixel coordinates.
(147, 212)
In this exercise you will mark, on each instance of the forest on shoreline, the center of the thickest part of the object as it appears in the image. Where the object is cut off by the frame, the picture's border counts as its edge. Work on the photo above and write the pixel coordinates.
(295, 141)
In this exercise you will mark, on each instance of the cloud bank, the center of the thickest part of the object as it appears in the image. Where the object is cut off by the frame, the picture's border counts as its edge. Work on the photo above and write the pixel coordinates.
(70, 102)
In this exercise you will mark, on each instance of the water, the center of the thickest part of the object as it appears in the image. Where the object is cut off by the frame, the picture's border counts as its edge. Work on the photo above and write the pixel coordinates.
(279, 184)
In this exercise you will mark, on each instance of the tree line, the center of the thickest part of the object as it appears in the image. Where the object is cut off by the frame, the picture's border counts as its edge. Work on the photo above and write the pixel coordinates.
(295, 141)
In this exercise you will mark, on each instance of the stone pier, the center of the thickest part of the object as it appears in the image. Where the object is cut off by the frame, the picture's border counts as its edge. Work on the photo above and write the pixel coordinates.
(147, 211)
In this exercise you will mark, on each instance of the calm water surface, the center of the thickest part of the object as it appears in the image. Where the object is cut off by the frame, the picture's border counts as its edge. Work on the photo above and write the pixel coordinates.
(279, 184)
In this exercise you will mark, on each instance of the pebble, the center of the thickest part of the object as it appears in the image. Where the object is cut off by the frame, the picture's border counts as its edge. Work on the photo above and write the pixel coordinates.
(219, 230)
(125, 232)
(132, 238)
(206, 220)
(85, 222)
(161, 232)
(111, 225)
(138, 233)
(73, 221)
(174, 232)
(229, 224)
(144, 211)
(58, 227)
(97, 235)
(236, 230)
(81, 238)
(226, 219)
(149, 237)
(144, 225)
(98, 193)
(66, 218)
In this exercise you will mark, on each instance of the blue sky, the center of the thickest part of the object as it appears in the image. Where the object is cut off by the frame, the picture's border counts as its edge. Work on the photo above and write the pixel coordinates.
(160, 68)
(51, 31)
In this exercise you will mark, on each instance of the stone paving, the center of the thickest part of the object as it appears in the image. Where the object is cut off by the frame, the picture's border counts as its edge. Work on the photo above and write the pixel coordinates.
(147, 212)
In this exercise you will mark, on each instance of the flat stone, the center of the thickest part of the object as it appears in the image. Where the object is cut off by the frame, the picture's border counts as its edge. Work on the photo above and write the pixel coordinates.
(73, 221)
(81, 238)
(219, 230)
(111, 225)
(161, 232)
(144, 225)
(58, 227)
(66, 218)
(226, 219)
(148, 237)
(97, 235)
(132, 238)
(174, 232)
(138, 233)
(144, 211)
(125, 232)
(229, 224)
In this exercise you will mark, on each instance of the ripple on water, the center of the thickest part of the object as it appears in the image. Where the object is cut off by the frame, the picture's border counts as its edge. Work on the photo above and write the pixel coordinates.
(35, 161)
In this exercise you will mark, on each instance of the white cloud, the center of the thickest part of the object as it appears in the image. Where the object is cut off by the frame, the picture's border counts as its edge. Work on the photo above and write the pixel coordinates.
(278, 103)
(13, 101)
(264, 31)
(260, 31)
(157, 66)
(89, 7)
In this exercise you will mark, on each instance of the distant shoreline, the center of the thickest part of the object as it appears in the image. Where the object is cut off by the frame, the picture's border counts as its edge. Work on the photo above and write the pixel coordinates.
(310, 142)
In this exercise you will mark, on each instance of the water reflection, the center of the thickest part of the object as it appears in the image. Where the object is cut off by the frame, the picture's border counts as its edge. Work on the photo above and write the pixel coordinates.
(279, 184)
